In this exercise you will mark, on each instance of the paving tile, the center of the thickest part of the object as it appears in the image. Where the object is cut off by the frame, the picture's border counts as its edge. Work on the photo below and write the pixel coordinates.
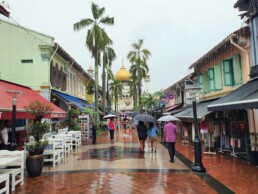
(120, 168)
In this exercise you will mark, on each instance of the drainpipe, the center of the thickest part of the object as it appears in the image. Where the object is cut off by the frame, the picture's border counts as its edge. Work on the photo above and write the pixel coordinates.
(246, 54)
(50, 64)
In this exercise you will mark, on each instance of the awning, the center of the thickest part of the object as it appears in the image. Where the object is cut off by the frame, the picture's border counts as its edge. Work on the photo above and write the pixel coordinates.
(244, 97)
(80, 103)
(27, 96)
(175, 111)
(201, 110)
(172, 107)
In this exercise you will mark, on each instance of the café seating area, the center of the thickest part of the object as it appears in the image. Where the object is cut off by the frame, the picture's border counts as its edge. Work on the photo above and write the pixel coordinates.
(12, 163)
(11, 167)
(60, 145)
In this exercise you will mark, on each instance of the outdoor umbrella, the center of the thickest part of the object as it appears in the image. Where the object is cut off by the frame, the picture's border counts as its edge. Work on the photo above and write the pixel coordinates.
(144, 118)
(109, 116)
(168, 118)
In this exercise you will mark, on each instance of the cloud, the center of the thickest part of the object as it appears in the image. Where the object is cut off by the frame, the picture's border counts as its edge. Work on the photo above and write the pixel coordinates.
(176, 32)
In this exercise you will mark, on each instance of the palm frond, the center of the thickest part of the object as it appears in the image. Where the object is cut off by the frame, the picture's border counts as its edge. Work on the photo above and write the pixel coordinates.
(90, 41)
(146, 53)
(82, 24)
(97, 12)
(107, 20)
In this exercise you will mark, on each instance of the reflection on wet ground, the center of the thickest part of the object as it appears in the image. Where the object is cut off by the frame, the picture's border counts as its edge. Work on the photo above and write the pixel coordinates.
(120, 168)
(111, 153)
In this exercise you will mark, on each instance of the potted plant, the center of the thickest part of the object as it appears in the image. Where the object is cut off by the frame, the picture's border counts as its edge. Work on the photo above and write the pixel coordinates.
(35, 159)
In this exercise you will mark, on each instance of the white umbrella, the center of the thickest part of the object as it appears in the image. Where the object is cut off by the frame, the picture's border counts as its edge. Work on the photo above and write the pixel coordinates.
(168, 118)
(109, 116)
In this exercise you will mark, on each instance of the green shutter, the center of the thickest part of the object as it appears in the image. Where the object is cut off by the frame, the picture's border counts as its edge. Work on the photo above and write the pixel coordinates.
(228, 74)
(218, 77)
(237, 69)
(211, 79)
(200, 80)
(205, 82)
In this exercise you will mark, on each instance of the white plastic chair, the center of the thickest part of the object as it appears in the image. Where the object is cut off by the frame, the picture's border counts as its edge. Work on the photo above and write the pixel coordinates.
(17, 173)
(52, 153)
(76, 139)
(4, 178)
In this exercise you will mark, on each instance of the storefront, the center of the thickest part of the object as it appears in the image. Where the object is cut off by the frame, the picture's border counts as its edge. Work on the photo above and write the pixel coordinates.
(206, 124)
(24, 96)
(62, 100)
(237, 113)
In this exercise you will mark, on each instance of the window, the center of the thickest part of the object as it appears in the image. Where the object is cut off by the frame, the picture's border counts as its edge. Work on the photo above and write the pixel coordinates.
(218, 77)
(205, 82)
(200, 80)
(237, 67)
(228, 72)
(211, 79)
(26, 61)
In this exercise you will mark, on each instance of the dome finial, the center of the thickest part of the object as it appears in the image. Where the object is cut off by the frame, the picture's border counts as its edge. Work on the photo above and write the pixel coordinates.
(123, 63)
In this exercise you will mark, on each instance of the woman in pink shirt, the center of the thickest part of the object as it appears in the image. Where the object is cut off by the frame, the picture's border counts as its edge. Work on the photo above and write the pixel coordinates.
(111, 127)
(170, 137)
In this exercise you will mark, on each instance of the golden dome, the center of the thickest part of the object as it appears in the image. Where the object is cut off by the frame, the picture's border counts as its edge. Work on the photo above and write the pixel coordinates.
(122, 74)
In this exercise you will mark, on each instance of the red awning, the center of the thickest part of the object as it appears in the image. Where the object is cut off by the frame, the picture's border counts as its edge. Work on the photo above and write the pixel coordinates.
(27, 96)
(174, 106)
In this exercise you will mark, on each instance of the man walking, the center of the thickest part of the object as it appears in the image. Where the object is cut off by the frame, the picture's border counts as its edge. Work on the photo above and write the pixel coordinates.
(170, 137)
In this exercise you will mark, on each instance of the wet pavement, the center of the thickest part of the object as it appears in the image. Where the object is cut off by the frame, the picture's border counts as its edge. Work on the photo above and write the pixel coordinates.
(119, 168)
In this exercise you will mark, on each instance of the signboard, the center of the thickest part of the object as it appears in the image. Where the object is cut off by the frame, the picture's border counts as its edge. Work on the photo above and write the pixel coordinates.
(190, 94)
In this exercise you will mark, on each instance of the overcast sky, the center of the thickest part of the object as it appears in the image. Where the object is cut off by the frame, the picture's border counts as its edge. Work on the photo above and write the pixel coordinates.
(177, 33)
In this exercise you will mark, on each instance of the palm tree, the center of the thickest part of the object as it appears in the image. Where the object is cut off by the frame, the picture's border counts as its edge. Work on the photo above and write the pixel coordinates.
(139, 57)
(150, 101)
(108, 56)
(116, 90)
(110, 76)
(96, 39)
(133, 85)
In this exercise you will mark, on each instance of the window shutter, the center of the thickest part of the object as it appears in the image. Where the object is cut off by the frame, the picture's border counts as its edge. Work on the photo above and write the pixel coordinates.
(237, 69)
(205, 82)
(200, 80)
(211, 79)
(218, 77)
(228, 75)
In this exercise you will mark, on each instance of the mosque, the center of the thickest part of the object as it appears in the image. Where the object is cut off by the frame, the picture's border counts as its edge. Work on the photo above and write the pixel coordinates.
(126, 103)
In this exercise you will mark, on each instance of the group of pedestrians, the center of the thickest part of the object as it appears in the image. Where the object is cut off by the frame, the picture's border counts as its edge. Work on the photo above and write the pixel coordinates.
(147, 130)
(150, 130)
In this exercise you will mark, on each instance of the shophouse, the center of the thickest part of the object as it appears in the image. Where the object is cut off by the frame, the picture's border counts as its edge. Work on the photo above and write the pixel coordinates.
(178, 99)
(220, 71)
(181, 102)
(33, 59)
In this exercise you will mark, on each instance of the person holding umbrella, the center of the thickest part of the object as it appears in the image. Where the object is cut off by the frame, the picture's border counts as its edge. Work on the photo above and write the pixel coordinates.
(142, 135)
(111, 128)
(170, 137)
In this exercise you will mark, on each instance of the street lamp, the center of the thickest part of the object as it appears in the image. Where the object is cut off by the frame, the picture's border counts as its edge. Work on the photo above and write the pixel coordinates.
(14, 94)
(197, 166)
